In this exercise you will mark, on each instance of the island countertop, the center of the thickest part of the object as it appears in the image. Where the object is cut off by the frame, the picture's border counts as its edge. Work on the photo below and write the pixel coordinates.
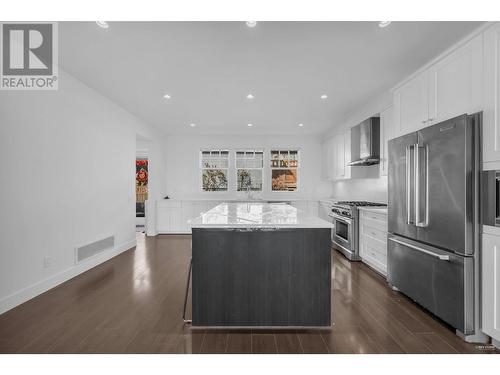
(257, 215)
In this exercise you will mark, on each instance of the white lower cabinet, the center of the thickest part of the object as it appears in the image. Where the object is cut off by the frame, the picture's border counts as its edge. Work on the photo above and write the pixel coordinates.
(490, 271)
(172, 216)
(373, 239)
(324, 209)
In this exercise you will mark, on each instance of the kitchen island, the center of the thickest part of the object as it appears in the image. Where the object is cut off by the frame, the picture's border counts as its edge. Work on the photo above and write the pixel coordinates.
(260, 265)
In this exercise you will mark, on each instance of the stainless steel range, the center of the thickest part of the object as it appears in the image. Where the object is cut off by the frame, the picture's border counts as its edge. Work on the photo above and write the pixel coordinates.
(345, 219)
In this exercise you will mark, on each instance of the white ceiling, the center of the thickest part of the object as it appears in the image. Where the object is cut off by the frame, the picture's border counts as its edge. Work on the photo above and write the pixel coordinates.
(208, 68)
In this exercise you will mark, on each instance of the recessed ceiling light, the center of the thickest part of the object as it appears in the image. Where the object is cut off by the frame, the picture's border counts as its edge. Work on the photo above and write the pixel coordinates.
(251, 23)
(167, 96)
(249, 125)
(384, 23)
(250, 96)
(102, 24)
(192, 125)
(324, 96)
(301, 125)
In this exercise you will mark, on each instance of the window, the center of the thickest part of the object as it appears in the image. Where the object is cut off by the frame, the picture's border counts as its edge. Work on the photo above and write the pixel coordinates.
(214, 166)
(284, 170)
(249, 166)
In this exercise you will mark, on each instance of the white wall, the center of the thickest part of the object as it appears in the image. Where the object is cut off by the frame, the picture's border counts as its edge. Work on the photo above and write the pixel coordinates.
(69, 164)
(183, 174)
(365, 182)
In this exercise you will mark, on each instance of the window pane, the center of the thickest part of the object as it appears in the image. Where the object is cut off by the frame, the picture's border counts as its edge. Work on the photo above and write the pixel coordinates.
(224, 159)
(249, 178)
(240, 163)
(214, 179)
(274, 159)
(259, 160)
(284, 180)
(294, 159)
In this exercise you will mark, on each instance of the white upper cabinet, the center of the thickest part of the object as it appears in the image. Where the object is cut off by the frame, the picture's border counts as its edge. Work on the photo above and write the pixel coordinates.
(347, 153)
(386, 133)
(491, 85)
(455, 83)
(328, 153)
(411, 111)
(450, 87)
(336, 155)
(343, 155)
(340, 159)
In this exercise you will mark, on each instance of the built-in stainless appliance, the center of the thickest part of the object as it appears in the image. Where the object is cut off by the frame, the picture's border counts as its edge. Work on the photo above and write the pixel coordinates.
(490, 198)
(433, 219)
(345, 232)
(365, 143)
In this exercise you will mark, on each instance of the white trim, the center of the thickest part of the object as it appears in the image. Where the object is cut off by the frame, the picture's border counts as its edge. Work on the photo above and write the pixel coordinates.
(31, 291)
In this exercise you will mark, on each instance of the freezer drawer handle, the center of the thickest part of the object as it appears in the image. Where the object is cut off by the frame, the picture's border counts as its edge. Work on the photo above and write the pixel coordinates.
(435, 255)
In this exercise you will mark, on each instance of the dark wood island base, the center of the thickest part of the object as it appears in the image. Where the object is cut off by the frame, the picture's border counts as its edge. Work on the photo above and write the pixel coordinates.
(261, 277)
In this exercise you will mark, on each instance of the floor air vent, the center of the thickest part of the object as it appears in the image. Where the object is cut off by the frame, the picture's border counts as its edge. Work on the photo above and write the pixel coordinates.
(94, 248)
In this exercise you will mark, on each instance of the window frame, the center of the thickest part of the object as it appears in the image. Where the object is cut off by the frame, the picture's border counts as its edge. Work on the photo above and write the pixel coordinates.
(236, 168)
(227, 168)
(297, 168)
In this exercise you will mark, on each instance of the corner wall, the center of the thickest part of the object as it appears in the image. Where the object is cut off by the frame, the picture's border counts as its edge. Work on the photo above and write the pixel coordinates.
(69, 170)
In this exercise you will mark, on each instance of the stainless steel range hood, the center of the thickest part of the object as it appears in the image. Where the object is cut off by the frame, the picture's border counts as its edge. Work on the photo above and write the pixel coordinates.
(365, 143)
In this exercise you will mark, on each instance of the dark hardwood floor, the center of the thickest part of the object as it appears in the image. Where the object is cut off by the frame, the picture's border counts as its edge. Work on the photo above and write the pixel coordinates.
(133, 304)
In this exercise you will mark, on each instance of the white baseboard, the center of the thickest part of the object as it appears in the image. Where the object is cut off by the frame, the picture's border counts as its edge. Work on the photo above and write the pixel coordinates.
(29, 292)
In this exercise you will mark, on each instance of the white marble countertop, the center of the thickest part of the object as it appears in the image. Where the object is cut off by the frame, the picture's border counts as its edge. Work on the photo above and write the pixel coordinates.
(258, 215)
(380, 210)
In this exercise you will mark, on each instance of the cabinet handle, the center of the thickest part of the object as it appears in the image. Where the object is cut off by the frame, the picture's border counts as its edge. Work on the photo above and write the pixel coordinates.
(424, 121)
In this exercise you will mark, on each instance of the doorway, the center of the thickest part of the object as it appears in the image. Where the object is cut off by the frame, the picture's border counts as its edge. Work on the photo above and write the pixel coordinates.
(141, 183)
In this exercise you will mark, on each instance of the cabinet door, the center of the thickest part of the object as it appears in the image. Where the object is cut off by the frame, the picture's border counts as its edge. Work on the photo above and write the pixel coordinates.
(163, 219)
(177, 224)
(313, 208)
(347, 154)
(340, 156)
(324, 210)
(411, 105)
(300, 205)
(455, 83)
(491, 285)
(491, 120)
(329, 159)
(386, 131)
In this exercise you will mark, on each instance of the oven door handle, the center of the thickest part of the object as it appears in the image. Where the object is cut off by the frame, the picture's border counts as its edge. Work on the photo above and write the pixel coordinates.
(338, 217)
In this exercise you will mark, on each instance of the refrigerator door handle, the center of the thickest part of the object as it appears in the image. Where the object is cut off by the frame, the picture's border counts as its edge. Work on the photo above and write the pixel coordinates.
(418, 221)
(408, 185)
(428, 252)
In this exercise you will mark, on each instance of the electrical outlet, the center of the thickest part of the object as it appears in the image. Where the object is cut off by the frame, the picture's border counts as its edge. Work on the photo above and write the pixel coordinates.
(47, 262)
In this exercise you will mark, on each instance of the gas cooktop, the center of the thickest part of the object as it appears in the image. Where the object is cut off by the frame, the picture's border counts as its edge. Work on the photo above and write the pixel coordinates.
(359, 203)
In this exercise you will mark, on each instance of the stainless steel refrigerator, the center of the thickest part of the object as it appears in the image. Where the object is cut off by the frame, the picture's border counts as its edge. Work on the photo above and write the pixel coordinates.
(432, 254)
